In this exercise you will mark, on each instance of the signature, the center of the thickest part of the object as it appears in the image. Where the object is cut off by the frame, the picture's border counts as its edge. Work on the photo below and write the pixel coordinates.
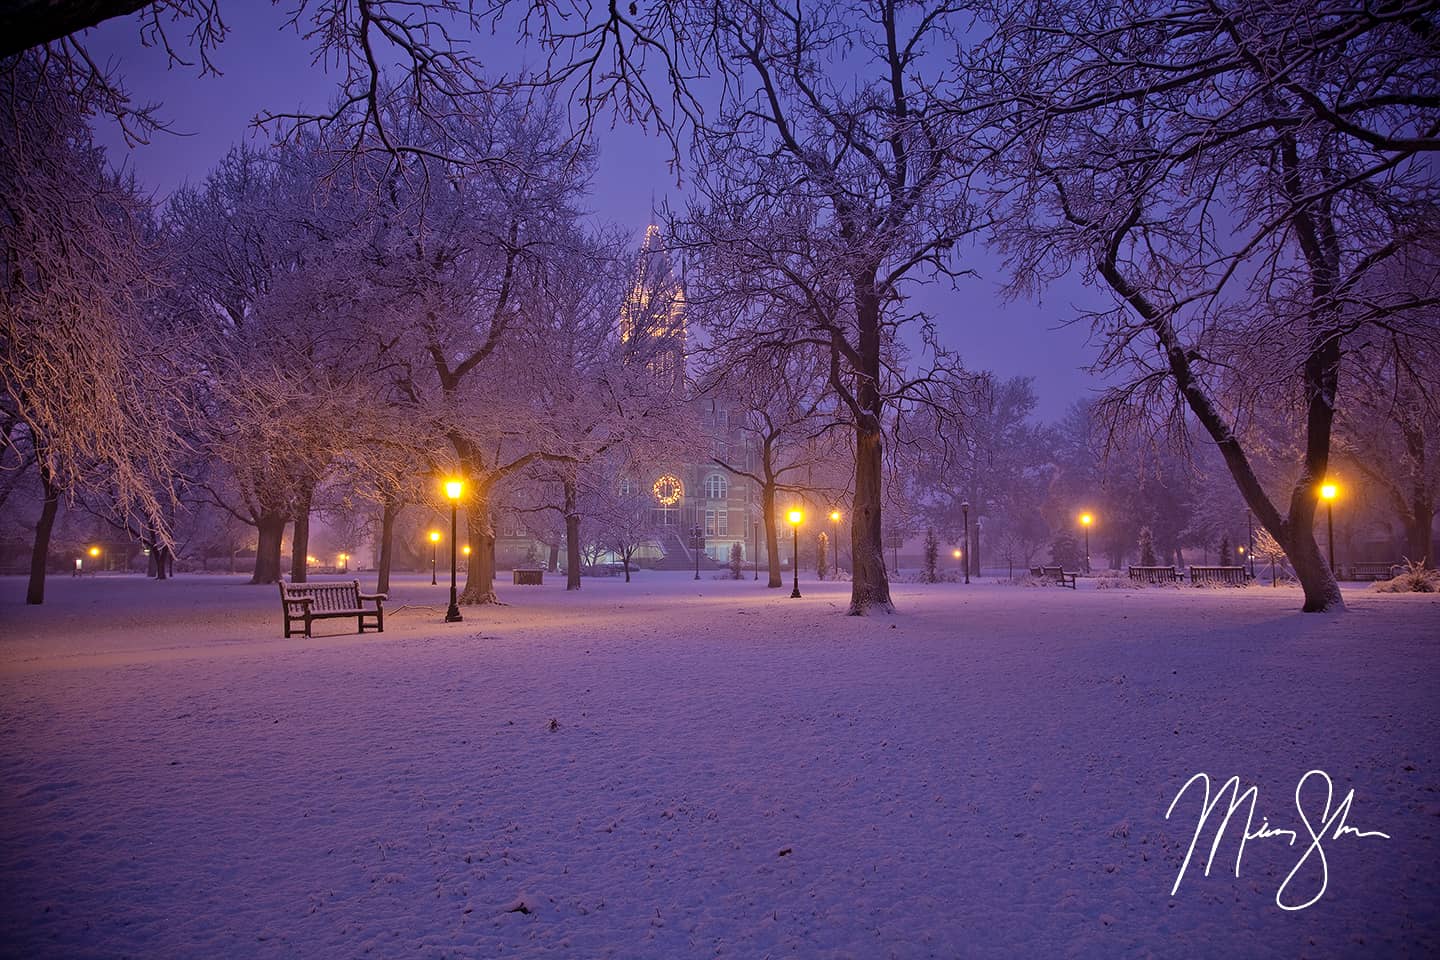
(1330, 825)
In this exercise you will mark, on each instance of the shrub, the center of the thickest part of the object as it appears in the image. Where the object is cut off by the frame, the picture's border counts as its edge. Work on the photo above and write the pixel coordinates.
(1415, 578)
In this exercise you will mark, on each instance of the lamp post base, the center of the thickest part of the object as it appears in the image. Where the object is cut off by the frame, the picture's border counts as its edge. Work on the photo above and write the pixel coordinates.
(453, 614)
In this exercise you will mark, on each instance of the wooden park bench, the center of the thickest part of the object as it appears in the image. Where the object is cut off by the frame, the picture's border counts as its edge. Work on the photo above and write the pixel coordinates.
(1059, 575)
(528, 577)
(1234, 576)
(1155, 575)
(308, 602)
(1367, 570)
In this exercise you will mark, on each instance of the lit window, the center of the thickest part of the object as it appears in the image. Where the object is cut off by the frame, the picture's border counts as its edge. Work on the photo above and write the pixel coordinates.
(717, 487)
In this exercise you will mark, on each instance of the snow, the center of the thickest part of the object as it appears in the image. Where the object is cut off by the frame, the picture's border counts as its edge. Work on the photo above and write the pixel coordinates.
(673, 768)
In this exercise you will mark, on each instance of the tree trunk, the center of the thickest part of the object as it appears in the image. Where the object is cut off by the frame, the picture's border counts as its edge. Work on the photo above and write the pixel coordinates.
(572, 534)
(1417, 532)
(1322, 592)
(553, 562)
(772, 539)
(390, 509)
(159, 554)
(625, 562)
(870, 585)
(270, 528)
(480, 577)
(300, 542)
(40, 550)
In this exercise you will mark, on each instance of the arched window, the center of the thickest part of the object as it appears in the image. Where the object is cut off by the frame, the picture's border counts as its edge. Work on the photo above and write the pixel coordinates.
(717, 487)
(627, 487)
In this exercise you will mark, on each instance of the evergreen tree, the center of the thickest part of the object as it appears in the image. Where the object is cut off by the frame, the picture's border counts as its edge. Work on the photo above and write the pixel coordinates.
(737, 557)
(932, 554)
(1147, 547)
(1065, 551)
(1226, 558)
(822, 555)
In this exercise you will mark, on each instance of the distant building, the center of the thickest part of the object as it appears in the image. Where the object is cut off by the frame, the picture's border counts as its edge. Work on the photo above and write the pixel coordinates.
(688, 496)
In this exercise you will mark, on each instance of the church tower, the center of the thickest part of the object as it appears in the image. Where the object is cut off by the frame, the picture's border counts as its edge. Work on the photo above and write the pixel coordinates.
(652, 316)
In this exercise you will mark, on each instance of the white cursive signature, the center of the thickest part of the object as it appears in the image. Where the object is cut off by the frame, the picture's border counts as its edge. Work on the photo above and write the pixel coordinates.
(1332, 826)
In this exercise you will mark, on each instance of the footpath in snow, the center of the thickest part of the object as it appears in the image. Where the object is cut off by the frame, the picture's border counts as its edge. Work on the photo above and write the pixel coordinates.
(673, 768)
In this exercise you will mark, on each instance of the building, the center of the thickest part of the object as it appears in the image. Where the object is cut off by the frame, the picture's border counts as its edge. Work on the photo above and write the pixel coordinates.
(687, 497)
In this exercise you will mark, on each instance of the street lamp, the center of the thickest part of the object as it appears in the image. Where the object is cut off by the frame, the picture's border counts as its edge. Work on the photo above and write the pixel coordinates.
(466, 550)
(835, 540)
(957, 554)
(1085, 520)
(434, 548)
(1328, 492)
(965, 511)
(696, 542)
(453, 489)
(795, 516)
(344, 559)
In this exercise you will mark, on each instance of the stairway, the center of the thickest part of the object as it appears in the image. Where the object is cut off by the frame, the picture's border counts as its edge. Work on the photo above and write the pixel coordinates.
(679, 556)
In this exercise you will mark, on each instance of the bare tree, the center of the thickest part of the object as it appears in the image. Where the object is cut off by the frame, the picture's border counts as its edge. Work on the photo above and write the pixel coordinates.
(85, 377)
(1232, 174)
(825, 196)
(788, 427)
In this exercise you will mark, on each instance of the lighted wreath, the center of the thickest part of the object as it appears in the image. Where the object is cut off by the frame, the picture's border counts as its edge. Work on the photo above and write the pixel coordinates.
(668, 490)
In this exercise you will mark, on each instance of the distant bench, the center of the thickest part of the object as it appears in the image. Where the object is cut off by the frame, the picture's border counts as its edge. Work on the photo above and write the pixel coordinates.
(528, 577)
(1374, 571)
(1155, 574)
(308, 602)
(1234, 576)
(1057, 574)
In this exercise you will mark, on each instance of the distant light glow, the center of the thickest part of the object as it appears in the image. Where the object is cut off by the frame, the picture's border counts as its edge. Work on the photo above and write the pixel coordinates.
(434, 536)
(835, 515)
(1329, 491)
(453, 489)
(1087, 519)
(795, 516)
(94, 551)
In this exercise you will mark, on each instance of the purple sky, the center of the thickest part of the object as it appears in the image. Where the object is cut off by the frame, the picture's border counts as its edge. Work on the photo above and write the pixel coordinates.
(265, 66)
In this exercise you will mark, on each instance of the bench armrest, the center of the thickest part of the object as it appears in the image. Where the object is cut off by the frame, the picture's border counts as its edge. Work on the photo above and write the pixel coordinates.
(373, 596)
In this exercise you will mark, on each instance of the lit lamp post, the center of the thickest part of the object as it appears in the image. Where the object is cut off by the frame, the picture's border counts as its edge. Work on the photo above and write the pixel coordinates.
(1328, 492)
(957, 554)
(965, 512)
(466, 550)
(344, 563)
(1085, 520)
(434, 550)
(795, 516)
(835, 540)
(453, 489)
(94, 555)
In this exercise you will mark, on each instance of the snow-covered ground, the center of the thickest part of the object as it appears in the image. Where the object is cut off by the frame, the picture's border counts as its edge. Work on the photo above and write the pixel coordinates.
(678, 769)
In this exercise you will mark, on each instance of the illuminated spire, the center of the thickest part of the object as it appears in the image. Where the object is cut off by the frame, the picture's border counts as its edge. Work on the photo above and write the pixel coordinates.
(652, 316)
